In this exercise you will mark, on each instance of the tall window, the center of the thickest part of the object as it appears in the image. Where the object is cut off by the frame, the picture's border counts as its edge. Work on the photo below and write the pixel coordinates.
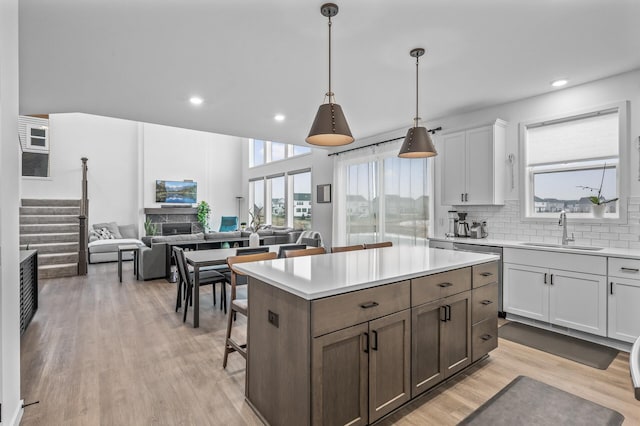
(300, 196)
(571, 161)
(385, 199)
(285, 198)
(277, 201)
(264, 152)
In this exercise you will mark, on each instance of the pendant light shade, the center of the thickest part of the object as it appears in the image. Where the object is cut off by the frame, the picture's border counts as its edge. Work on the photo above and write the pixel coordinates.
(330, 127)
(417, 143)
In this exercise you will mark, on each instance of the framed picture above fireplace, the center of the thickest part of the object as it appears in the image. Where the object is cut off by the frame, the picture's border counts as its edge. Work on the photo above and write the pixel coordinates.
(176, 192)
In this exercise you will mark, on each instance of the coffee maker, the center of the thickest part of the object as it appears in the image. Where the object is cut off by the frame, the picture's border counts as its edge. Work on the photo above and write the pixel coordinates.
(461, 226)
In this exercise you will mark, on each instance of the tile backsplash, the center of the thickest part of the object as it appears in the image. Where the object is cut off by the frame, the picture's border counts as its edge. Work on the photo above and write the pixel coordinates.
(505, 223)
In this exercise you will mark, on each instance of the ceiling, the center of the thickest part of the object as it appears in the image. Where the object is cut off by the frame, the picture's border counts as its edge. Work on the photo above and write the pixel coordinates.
(251, 59)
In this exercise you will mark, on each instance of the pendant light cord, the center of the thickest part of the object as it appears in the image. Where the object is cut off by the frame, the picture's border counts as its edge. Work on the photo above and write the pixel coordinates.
(417, 117)
(330, 93)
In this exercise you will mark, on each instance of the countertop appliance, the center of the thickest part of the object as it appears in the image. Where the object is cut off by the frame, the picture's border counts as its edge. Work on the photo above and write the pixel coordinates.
(462, 227)
(476, 248)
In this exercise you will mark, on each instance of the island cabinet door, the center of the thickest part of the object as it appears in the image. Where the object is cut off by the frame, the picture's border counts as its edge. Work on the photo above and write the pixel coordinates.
(456, 337)
(389, 363)
(427, 366)
(340, 378)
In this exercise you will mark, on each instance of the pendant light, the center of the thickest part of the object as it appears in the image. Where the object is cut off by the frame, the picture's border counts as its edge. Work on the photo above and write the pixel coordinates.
(330, 128)
(417, 143)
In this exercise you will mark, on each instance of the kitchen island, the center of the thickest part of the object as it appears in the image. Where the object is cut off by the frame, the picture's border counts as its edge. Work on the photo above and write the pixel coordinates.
(346, 338)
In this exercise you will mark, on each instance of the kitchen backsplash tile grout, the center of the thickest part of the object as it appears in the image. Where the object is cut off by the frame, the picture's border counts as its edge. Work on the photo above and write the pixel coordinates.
(504, 223)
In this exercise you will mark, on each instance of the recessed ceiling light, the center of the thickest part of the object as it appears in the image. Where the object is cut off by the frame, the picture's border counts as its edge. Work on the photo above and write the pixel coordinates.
(195, 100)
(559, 83)
(279, 117)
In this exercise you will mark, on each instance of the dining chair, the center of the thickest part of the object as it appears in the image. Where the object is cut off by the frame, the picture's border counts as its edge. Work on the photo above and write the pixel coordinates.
(283, 249)
(347, 248)
(304, 252)
(378, 245)
(239, 305)
(186, 281)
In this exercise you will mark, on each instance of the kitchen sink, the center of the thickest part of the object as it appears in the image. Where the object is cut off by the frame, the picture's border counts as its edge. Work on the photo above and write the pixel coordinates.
(588, 248)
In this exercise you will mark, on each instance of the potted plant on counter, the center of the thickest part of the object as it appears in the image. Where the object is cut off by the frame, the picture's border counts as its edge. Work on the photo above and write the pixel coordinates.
(598, 202)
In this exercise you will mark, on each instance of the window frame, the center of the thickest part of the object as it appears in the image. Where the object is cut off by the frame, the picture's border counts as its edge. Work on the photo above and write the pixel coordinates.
(526, 187)
(288, 152)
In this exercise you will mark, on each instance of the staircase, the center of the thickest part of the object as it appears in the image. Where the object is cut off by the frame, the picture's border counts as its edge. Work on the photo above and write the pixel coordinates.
(51, 227)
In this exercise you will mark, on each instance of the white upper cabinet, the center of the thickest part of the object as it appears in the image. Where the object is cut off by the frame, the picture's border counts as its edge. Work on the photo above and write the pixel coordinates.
(473, 165)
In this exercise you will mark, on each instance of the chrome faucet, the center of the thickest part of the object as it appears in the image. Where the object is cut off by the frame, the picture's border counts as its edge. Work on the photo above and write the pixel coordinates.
(563, 223)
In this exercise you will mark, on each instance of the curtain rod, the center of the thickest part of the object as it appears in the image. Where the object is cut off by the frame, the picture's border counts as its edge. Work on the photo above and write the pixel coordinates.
(432, 131)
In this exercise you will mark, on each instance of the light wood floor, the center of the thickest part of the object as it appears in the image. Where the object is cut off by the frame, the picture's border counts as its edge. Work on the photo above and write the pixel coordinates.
(101, 353)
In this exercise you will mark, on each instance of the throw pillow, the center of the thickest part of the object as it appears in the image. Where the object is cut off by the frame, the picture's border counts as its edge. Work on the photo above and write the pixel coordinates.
(105, 234)
(93, 235)
(111, 226)
(128, 231)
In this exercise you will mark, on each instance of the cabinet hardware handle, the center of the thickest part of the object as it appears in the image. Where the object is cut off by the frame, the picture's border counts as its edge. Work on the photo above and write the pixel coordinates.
(611, 287)
(443, 313)
(623, 269)
(461, 196)
(486, 302)
(374, 345)
(369, 305)
(486, 337)
(445, 285)
(448, 310)
(545, 277)
(551, 279)
(466, 196)
(366, 342)
(486, 274)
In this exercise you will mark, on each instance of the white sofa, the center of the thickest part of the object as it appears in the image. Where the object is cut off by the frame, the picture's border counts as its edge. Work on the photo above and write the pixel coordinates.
(106, 250)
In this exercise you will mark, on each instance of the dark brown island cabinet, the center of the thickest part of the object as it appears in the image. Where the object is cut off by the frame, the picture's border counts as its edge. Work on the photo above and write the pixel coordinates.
(355, 357)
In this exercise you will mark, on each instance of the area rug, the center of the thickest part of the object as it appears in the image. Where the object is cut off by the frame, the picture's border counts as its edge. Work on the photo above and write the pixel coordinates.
(587, 353)
(526, 401)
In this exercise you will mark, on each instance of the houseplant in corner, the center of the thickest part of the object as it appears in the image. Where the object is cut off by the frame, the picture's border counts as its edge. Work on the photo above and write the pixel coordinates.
(150, 228)
(598, 202)
(204, 211)
(256, 220)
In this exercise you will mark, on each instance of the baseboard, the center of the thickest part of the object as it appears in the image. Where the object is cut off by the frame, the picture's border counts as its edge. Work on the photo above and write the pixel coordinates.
(17, 416)
(606, 341)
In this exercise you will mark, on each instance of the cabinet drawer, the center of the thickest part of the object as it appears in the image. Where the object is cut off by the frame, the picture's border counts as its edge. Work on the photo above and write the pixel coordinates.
(344, 310)
(484, 274)
(624, 268)
(484, 338)
(437, 286)
(484, 303)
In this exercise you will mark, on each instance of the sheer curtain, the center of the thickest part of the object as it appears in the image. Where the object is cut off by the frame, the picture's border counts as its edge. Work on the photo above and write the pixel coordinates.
(380, 197)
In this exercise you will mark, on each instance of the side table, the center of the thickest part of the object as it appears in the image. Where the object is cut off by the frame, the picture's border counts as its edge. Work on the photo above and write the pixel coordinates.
(128, 248)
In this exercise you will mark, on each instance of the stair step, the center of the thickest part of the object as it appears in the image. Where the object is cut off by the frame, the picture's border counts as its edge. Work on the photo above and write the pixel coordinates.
(44, 248)
(58, 271)
(57, 259)
(54, 228)
(48, 219)
(49, 211)
(49, 203)
(66, 237)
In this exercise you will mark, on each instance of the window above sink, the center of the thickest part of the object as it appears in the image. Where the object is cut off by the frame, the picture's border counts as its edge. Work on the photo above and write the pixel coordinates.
(566, 160)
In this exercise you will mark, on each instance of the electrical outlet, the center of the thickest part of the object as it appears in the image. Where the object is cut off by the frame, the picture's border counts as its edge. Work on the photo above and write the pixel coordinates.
(273, 318)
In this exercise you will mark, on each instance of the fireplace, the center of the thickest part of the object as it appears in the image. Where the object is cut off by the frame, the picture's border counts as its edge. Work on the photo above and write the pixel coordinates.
(176, 228)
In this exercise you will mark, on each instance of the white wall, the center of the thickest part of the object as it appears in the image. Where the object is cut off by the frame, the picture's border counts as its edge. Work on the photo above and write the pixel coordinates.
(126, 158)
(560, 102)
(321, 173)
(212, 160)
(9, 155)
(111, 147)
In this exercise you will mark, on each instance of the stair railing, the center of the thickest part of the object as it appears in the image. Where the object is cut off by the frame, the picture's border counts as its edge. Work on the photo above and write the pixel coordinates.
(83, 242)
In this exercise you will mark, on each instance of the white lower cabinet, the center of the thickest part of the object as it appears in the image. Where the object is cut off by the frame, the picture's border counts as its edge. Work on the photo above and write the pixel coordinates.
(534, 287)
(624, 299)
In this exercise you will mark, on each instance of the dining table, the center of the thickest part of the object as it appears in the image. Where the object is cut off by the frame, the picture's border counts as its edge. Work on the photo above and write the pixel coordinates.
(200, 259)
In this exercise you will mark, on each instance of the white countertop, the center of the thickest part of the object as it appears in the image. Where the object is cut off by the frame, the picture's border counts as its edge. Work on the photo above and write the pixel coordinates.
(314, 277)
(606, 251)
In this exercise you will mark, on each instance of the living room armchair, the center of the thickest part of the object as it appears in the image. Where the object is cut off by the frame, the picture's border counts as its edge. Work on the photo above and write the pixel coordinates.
(152, 261)
(228, 223)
